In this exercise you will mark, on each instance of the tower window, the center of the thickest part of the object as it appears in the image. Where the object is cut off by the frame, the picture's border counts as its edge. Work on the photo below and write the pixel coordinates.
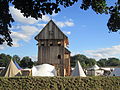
(42, 44)
(51, 44)
(59, 56)
(59, 43)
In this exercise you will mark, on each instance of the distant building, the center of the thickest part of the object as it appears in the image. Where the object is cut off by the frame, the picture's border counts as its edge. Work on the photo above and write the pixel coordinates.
(95, 71)
(52, 49)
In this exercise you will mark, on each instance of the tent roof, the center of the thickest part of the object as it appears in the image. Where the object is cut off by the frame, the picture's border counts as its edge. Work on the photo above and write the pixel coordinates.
(95, 67)
(44, 70)
(11, 70)
(78, 71)
(17, 65)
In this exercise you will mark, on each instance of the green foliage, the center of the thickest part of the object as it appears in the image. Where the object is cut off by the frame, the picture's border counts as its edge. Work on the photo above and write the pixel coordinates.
(114, 21)
(4, 59)
(89, 62)
(99, 6)
(109, 62)
(37, 8)
(5, 22)
(113, 62)
(60, 83)
(16, 58)
(85, 61)
(102, 62)
(26, 62)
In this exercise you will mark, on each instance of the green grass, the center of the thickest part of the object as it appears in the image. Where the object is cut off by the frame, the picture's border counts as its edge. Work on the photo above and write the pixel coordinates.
(60, 83)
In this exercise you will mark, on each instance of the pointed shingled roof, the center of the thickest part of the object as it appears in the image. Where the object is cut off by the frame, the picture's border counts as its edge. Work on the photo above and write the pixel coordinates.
(51, 31)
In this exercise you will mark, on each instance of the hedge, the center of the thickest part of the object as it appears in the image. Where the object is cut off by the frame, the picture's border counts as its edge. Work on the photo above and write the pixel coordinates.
(60, 83)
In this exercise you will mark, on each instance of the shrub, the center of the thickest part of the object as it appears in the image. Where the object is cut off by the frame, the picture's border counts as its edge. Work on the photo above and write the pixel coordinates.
(60, 83)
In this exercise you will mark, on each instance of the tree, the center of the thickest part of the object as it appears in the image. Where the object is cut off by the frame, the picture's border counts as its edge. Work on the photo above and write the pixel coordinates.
(102, 62)
(109, 62)
(113, 62)
(90, 62)
(4, 60)
(26, 62)
(77, 57)
(84, 61)
(16, 58)
(37, 8)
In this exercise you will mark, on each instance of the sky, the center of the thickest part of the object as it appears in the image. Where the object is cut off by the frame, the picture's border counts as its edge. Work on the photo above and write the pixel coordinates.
(87, 33)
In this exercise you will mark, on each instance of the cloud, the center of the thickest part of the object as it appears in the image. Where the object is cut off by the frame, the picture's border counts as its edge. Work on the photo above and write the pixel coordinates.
(61, 24)
(69, 23)
(25, 34)
(41, 25)
(114, 51)
(3, 46)
(28, 31)
(15, 27)
(15, 42)
(34, 58)
(67, 32)
(45, 18)
(74, 53)
(18, 35)
(18, 17)
(25, 28)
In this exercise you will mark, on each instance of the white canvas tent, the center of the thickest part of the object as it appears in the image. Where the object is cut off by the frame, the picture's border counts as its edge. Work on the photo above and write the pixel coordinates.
(78, 71)
(95, 67)
(116, 72)
(11, 70)
(44, 70)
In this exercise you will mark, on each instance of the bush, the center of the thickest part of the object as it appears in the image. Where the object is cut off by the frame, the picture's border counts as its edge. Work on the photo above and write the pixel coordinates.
(60, 83)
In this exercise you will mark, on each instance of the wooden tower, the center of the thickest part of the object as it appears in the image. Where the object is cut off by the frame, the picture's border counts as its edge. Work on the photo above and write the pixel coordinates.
(52, 43)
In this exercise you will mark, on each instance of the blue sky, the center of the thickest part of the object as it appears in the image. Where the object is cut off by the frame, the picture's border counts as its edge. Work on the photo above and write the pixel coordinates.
(87, 32)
